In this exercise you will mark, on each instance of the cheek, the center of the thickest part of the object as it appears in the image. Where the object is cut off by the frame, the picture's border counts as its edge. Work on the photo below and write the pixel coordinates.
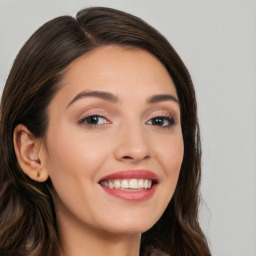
(74, 153)
(170, 156)
(73, 164)
(75, 159)
(171, 153)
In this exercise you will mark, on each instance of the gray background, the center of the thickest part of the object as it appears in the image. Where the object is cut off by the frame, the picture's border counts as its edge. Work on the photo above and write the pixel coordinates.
(217, 41)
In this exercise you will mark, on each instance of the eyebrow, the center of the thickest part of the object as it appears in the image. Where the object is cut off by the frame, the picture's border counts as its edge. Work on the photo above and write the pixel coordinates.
(114, 99)
(162, 97)
(98, 94)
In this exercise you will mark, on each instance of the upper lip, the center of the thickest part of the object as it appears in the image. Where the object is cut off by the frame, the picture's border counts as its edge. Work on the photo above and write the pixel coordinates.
(131, 174)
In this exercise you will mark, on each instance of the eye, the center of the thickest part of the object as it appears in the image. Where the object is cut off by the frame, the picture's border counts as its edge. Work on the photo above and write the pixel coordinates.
(162, 121)
(93, 120)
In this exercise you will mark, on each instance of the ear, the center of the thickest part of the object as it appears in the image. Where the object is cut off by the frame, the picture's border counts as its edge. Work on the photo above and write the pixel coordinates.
(29, 153)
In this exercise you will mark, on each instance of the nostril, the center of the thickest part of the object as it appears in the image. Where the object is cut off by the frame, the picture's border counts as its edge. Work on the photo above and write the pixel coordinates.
(127, 157)
(135, 158)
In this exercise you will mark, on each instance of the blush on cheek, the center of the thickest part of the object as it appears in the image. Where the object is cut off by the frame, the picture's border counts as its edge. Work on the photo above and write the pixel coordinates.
(171, 157)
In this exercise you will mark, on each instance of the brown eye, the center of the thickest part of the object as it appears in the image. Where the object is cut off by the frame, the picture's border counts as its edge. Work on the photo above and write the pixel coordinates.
(93, 120)
(162, 121)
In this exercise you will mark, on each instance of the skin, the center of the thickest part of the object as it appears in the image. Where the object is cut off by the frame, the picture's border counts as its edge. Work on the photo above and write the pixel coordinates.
(76, 155)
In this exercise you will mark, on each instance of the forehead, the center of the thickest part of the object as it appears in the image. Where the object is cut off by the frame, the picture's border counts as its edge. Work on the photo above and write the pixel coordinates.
(119, 70)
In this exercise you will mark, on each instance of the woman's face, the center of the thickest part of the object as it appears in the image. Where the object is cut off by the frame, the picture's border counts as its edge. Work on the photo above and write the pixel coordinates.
(114, 128)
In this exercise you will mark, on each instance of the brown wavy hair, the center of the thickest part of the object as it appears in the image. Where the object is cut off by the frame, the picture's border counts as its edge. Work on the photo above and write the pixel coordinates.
(27, 216)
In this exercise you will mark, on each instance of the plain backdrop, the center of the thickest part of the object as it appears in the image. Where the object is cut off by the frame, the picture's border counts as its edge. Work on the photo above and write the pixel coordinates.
(217, 41)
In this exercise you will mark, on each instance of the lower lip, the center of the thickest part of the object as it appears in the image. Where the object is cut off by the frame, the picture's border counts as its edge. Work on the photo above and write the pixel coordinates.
(140, 195)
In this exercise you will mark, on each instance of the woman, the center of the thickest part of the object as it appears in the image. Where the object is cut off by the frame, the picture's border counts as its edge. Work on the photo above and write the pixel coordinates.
(100, 151)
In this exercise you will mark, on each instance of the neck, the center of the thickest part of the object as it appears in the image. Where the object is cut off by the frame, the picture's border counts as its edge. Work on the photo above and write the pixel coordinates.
(74, 243)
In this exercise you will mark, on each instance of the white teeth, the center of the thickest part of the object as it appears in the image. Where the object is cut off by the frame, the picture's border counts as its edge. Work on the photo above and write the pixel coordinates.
(128, 184)
(117, 184)
(110, 185)
(133, 184)
(124, 184)
(146, 183)
(104, 183)
(141, 184)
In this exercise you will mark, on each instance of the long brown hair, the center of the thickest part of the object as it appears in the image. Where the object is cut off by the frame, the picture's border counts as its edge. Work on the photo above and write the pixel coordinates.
(27, 216)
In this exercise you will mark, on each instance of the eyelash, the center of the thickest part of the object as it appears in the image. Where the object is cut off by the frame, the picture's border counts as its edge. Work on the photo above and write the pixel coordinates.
(85, 120)
(170, 119)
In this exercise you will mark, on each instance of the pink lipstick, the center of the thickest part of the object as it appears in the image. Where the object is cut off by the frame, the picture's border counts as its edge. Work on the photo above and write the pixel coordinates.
(132, 185)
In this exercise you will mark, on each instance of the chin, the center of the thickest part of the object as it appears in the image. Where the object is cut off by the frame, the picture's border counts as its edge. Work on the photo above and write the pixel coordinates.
(130, 225)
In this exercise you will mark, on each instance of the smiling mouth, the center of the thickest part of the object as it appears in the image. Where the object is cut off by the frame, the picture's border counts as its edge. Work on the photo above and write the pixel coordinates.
(128, 184)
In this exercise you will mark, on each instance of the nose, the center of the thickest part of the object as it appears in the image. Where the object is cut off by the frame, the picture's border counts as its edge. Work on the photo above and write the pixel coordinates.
(133, 146)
